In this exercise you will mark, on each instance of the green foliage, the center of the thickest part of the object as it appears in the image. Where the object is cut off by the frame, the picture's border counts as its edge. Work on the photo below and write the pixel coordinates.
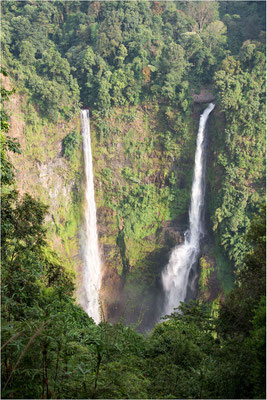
(257, 344)
(119, 55)
(51, 348)
(57, 351)
(7, 143)
(242, 23)
(35, 61)
(141, 184)
(239, 309)
(240, 87)
(70, 144)
(224, 269)
(180, 353)
(126, 54)
(206, 271)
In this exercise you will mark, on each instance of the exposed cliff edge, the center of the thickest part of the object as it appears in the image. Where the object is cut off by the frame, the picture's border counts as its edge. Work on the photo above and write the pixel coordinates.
(204, 96)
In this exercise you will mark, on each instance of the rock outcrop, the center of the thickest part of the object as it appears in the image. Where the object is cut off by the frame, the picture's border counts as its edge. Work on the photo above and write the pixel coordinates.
(205, 96)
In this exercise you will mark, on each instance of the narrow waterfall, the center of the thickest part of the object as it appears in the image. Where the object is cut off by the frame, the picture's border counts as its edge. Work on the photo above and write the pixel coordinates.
(90, 251)
(175, 276)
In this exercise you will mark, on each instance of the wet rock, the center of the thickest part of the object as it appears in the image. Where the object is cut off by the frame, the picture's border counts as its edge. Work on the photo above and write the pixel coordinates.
(173, 233)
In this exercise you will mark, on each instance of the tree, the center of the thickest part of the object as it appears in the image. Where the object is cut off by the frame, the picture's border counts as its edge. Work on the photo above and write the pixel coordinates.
(204, 13)
(27, 53)
(7, 144)
(237, 311)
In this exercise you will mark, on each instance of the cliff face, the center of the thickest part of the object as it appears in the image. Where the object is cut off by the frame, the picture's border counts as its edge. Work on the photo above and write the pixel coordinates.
(44, 172)
(143, 163)
(143, 155)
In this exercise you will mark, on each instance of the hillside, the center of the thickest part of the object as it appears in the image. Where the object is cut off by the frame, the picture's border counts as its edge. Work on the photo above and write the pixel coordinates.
(146, 70)
(143, 154)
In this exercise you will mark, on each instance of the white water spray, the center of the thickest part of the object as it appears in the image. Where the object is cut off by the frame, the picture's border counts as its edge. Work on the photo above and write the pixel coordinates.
(175, 276)
(90, 251)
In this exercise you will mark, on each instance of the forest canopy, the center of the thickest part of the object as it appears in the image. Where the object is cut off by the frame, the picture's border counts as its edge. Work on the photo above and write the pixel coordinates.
(119, 53)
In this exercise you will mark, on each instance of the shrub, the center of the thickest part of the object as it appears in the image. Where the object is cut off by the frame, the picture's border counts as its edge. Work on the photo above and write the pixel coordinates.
(70, 144)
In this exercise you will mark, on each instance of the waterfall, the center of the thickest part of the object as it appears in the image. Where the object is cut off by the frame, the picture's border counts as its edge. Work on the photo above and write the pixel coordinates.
(90, 251)
(175, 277)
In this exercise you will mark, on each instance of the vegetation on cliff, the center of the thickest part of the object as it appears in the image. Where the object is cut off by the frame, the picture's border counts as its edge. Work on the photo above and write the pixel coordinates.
(136, 65)
(52, 349)
(152, 53)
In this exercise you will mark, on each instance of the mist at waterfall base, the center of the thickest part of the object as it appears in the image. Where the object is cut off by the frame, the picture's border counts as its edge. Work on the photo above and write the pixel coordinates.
(180, 275)
(91, 270)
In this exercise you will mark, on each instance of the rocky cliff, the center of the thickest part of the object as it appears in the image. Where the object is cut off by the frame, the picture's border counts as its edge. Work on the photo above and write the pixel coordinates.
(143, 163)
(43, 171)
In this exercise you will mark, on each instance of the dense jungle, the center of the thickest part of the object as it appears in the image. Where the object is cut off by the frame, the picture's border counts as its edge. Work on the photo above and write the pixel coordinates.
(145, 71)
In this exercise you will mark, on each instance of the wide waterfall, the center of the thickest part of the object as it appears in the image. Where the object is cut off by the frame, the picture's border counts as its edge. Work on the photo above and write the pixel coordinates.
(175, 276)
(90, 251)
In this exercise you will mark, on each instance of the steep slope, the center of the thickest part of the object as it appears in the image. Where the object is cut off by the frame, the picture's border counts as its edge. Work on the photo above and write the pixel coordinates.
(45, 173)
(139, 66)
(143, 160)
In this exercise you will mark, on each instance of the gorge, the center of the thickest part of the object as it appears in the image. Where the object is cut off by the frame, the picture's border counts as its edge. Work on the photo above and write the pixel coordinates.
(180, 276)
(114, 215)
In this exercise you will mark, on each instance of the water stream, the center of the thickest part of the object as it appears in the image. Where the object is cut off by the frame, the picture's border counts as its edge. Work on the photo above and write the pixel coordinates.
(91, 282)
(176, 275)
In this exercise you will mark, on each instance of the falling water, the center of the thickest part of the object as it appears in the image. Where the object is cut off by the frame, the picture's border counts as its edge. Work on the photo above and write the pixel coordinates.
(175, 276)
(90, 252)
